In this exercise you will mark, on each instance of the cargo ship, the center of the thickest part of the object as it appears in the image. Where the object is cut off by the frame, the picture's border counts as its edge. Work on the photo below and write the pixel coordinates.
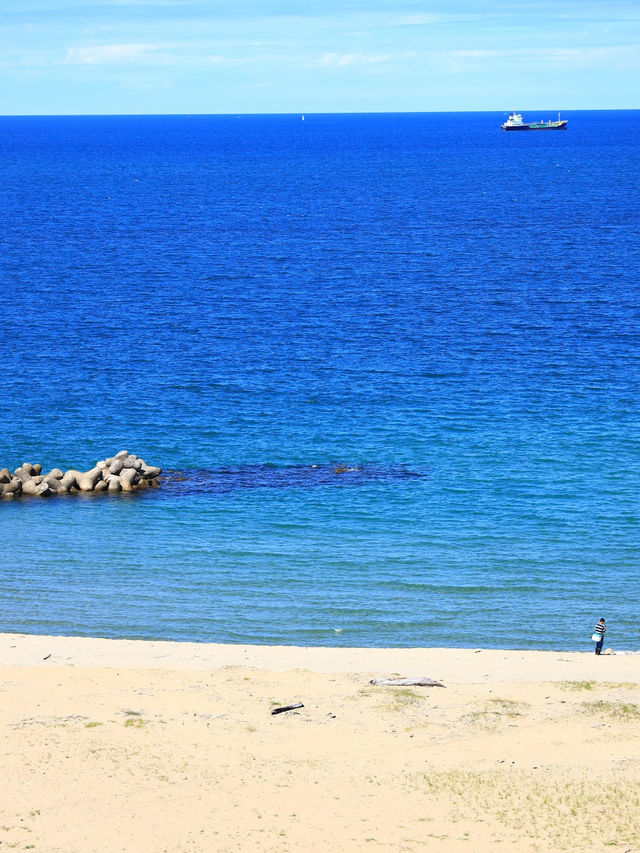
(515, 122)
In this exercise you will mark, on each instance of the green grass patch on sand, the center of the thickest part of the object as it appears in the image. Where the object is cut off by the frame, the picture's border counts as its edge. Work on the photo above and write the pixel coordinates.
(135, 722)
(559, 813)
(616, 710)
(495, 710)
(597, 685)
(402, 697)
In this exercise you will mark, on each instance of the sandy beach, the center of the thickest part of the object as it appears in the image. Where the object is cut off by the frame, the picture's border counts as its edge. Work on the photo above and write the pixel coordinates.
(114, 745)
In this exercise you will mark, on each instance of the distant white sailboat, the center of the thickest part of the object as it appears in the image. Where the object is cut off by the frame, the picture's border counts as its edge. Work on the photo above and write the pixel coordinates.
(302, 118)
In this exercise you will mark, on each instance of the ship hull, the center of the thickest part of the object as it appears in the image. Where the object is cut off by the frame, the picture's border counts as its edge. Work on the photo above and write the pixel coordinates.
(558, 126)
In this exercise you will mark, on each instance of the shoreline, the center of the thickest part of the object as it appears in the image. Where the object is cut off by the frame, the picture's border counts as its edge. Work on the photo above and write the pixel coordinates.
(458, 664)
(149, 747)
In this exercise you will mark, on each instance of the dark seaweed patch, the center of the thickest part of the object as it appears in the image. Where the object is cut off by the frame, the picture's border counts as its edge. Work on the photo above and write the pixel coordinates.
(231, 478)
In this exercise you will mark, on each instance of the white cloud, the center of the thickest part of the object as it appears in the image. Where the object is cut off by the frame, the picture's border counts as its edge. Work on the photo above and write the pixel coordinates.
(592, 54)
(342, 60)
(464, 61)
(108, 53)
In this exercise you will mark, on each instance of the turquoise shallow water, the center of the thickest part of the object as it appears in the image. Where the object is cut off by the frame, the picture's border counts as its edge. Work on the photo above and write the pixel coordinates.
(240, 299)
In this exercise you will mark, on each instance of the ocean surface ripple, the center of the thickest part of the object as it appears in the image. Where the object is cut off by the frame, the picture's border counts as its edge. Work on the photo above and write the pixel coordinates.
(389, 364)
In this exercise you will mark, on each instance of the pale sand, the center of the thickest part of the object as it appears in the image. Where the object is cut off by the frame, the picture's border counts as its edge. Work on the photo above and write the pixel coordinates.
(112, 745)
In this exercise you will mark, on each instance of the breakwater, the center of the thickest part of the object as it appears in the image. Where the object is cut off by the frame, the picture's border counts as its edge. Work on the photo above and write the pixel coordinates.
(124, 472)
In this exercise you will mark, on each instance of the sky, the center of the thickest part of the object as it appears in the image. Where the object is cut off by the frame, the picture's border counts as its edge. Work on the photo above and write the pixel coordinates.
(61, 57)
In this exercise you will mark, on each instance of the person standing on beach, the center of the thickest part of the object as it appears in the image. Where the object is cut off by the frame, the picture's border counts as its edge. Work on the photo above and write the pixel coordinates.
(599, 631)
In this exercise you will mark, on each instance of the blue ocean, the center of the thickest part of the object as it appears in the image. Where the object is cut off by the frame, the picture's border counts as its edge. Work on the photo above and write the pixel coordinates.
(389, 364)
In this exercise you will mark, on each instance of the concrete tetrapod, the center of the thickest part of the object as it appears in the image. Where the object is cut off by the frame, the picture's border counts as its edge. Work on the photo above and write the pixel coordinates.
(123, 472)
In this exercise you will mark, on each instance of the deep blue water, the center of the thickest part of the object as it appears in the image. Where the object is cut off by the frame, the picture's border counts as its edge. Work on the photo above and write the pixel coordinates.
(449, 310)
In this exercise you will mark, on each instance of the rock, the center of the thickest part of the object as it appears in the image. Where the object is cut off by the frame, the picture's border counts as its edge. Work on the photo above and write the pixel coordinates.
(13, 487)
(132, 462)
(87, 481)
(128, 479)
(123, 472)
(150, 471)
(113, 483)
(70, 478)
(30, 486)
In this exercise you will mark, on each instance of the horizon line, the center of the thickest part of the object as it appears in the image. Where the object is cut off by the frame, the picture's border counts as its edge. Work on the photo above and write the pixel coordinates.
(312, 113)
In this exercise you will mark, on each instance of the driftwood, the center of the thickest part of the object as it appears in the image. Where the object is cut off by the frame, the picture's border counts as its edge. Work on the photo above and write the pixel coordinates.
(405, 682)
(287, 708)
